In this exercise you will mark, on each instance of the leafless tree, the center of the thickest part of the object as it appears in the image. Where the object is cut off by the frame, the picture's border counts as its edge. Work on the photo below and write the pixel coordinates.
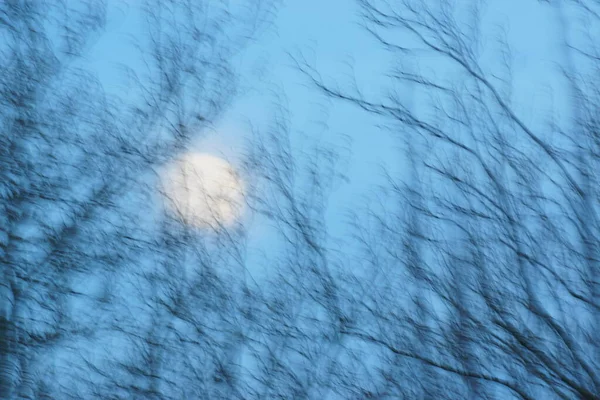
(474, 276)
(491, 261)
(76, 164)
(216, 329)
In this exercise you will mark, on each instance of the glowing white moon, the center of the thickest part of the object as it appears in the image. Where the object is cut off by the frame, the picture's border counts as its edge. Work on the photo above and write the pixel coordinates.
(204, 190)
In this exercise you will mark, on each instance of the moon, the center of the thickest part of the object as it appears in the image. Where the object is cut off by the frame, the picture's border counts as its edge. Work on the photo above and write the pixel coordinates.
(204, 191)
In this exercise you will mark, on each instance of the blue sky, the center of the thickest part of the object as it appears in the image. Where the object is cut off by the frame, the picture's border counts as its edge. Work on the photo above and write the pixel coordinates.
(326, 33)
(329, 36)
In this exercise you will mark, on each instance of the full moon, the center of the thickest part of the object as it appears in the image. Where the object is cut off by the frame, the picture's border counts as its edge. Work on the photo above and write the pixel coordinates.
(204, 190)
